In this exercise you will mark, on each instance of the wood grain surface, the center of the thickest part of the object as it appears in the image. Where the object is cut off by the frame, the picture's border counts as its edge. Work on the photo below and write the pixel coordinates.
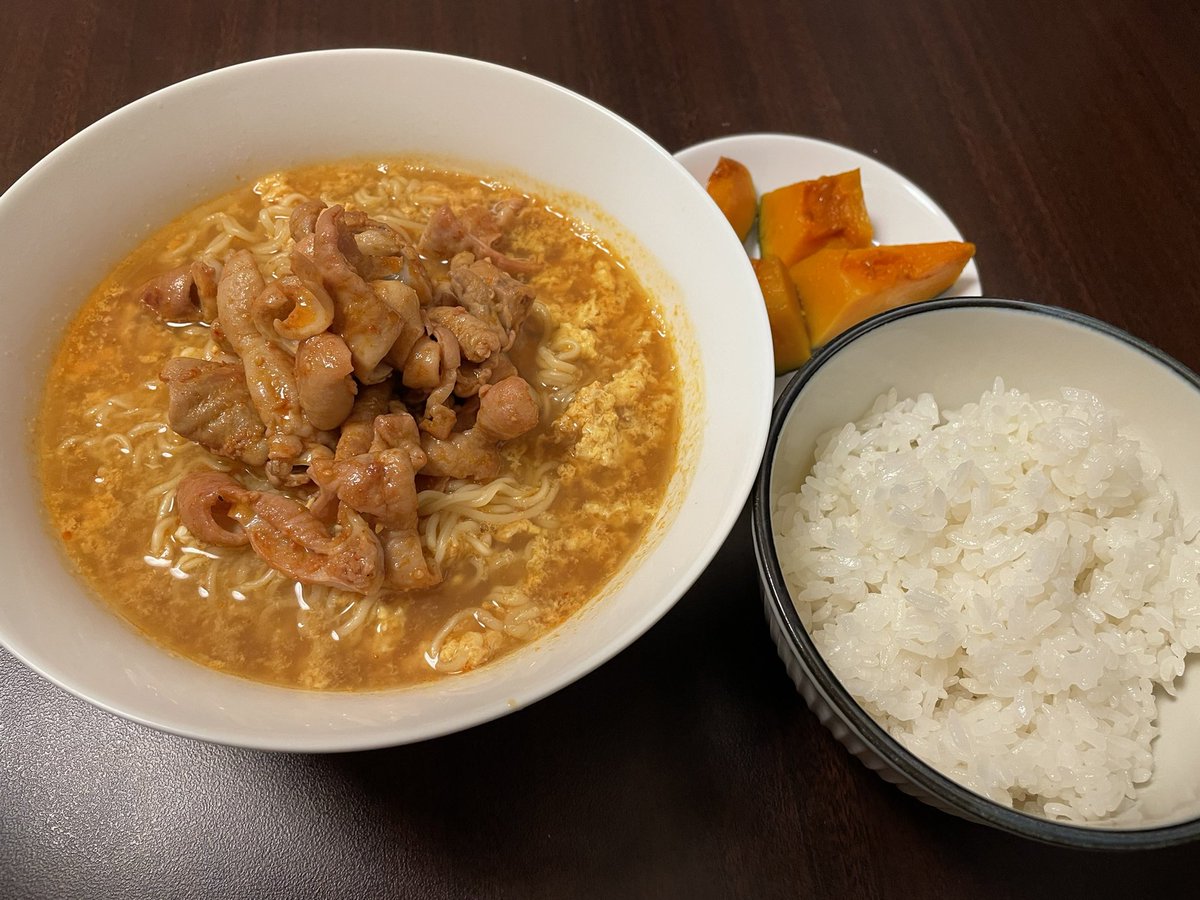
(1064, 139)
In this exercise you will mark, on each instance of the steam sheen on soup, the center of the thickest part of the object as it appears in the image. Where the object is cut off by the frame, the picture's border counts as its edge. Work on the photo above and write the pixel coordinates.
(358, 426)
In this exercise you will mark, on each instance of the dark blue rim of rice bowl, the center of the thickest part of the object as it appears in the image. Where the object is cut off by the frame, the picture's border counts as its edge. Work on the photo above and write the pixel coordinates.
(923, 776)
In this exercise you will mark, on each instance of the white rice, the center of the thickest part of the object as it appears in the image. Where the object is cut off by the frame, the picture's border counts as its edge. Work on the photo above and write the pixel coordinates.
(1002, 587)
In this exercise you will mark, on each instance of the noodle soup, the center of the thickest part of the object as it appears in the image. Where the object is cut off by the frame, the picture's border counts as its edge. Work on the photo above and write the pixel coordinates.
(516, 552)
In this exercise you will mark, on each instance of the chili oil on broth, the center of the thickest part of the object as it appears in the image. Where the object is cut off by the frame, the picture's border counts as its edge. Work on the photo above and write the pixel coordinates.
(520, 554)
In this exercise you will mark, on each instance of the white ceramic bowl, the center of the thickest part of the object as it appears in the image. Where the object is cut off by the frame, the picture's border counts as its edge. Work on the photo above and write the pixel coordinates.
(954, 349)
(91, 201)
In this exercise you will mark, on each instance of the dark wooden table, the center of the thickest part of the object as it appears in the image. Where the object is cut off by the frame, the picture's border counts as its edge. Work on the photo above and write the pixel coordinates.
(1064, 139)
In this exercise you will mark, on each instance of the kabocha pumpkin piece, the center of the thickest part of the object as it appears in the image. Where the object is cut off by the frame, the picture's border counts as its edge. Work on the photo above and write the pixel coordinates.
(789, 336)
(840, 288)
(802, 218)
(732, 188)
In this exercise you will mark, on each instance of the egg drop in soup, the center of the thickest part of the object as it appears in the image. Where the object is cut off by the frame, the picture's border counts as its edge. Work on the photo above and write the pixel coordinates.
(358, 426)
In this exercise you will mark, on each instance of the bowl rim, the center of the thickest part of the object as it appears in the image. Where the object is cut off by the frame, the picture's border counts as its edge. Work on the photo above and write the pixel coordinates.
(798, 642)
(736, 490)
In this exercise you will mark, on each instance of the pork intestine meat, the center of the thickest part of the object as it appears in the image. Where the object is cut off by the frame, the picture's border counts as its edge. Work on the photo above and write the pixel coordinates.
(187, 293)
(474, 231)
(347, 380)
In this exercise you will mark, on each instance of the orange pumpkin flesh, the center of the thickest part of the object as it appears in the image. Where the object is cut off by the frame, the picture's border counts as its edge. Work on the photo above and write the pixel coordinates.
(802, 218)
(731, 187)
(840, 288)
(789, 336)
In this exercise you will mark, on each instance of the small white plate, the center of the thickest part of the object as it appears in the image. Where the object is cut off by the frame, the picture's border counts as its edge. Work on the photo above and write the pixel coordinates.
(900, 211)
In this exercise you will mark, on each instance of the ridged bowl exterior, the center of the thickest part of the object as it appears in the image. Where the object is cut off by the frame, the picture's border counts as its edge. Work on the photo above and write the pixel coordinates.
(829, 716)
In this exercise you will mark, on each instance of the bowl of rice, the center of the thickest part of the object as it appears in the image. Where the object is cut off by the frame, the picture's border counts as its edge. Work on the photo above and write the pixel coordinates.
(975, 530)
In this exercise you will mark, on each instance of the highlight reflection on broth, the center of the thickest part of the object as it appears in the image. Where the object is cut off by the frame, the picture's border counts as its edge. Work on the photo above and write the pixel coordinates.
(359, 425)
